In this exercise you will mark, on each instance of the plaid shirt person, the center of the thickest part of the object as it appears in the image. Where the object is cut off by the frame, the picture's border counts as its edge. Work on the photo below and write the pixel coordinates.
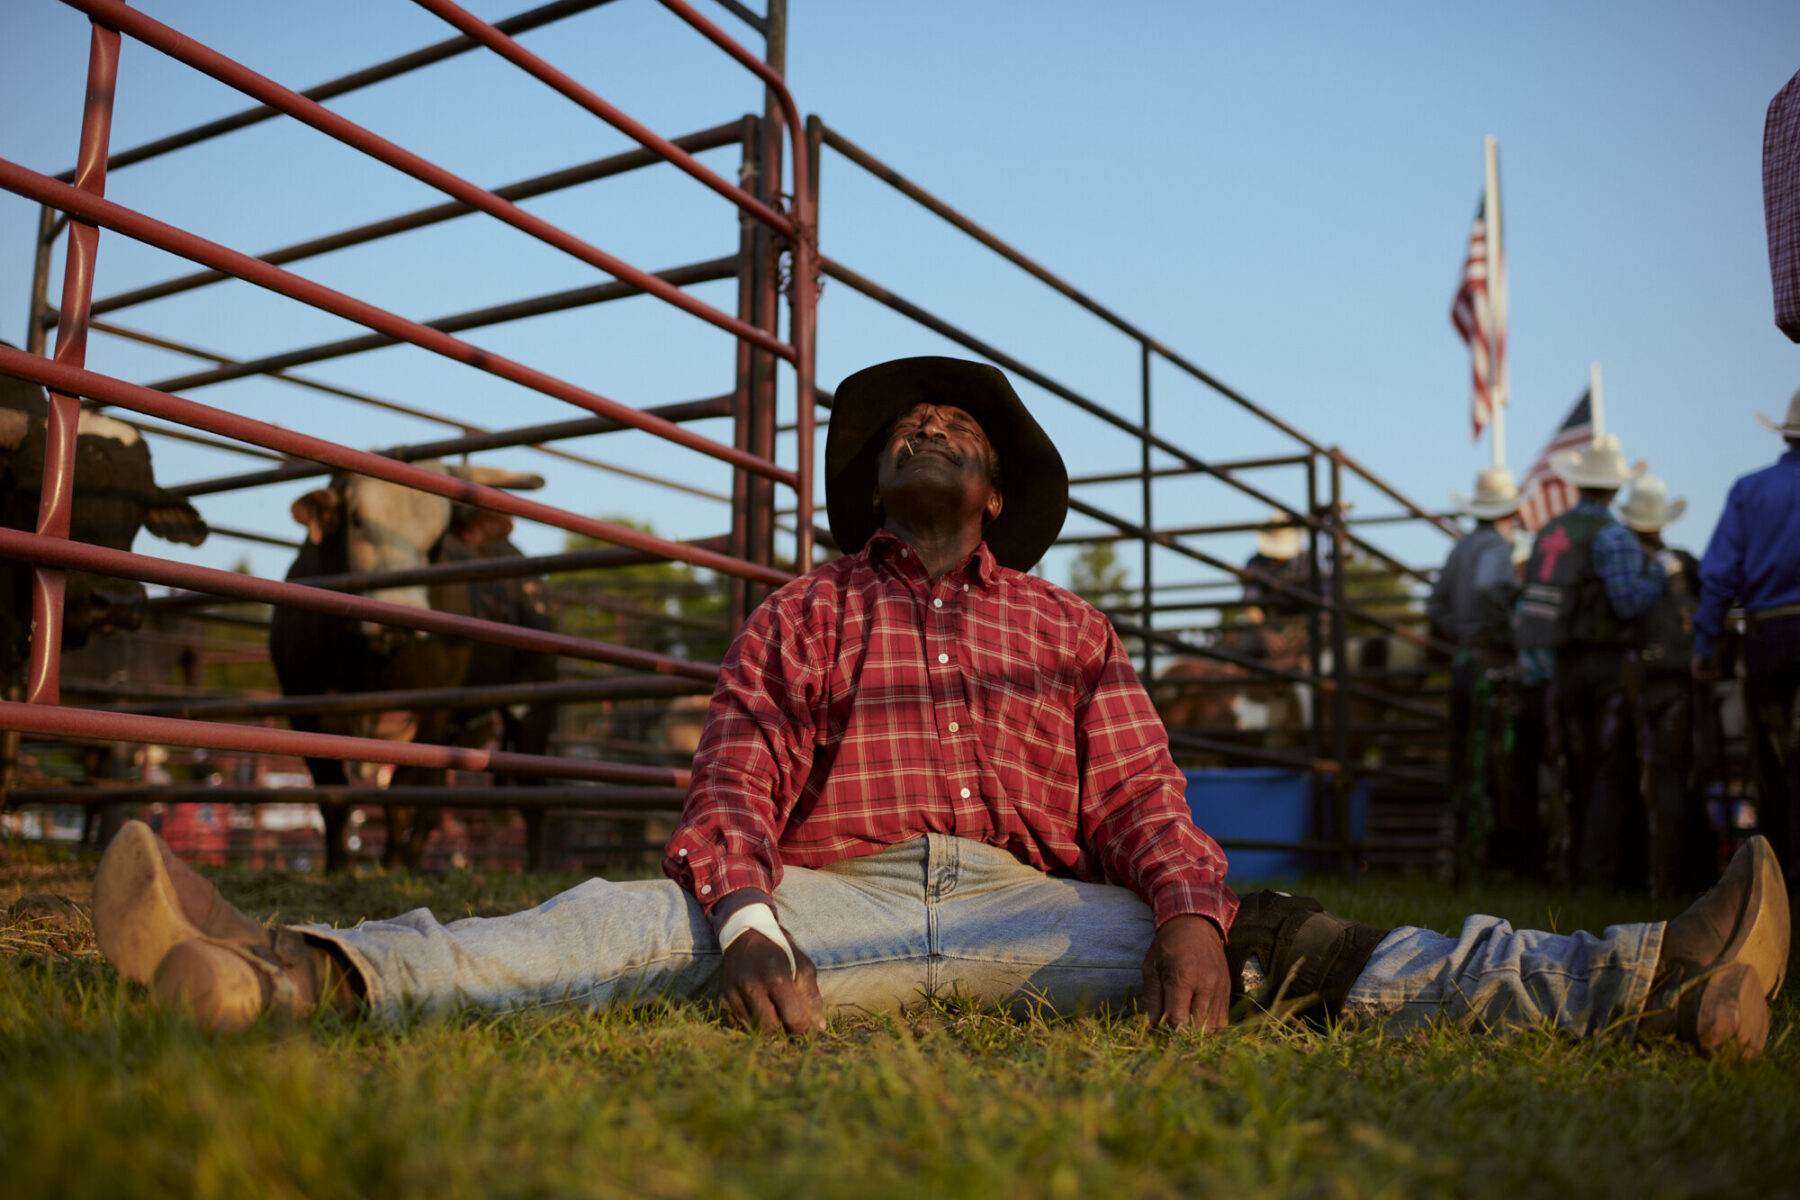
(866, 704)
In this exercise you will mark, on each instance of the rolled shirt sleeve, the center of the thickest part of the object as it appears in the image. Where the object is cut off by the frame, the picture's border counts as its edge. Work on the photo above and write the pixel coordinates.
(756, 747)
(1135, 808)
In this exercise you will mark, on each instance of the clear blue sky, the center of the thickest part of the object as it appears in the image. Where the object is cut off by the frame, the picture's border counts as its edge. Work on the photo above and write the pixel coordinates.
(1282, 193)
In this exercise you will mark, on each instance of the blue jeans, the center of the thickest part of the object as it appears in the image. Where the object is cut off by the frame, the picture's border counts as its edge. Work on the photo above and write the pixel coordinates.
(938, 915)
(1494, 976)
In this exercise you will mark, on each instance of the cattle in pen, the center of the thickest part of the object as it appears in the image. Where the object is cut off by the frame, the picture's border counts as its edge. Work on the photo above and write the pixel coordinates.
(359, 524)
(115, 495)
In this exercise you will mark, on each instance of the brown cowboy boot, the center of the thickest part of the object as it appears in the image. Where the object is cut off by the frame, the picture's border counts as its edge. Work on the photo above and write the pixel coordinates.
(1724, 959)
(226, 986)
(161, 924)
(1309, 958)
(146, 901)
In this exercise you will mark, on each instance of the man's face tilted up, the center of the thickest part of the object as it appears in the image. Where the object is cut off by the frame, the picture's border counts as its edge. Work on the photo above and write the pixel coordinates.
(937, 467)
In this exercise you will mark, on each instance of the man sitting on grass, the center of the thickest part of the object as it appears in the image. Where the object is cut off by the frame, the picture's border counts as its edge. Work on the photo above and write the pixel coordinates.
(925, 771)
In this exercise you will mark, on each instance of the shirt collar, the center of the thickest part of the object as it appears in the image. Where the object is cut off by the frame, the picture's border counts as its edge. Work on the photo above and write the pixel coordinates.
(979, 567)
(1791, 456)
(1597, 508)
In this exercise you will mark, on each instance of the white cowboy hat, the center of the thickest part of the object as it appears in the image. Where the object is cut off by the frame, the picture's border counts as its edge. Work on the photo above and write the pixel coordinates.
(1648, 507)
(1496, 495)
(1789, 428)
(1601, 465)
(1277, 539)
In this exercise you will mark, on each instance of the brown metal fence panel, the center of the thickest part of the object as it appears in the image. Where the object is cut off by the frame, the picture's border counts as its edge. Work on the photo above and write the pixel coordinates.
(85, 210)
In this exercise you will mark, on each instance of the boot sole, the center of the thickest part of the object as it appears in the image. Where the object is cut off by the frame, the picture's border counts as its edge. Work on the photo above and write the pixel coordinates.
(212, 982)
(137, 916)
(1726, 1014)
(1761, 937)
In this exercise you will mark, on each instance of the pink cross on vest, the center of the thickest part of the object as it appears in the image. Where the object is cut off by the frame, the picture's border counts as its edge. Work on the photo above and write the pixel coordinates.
(1551, 548)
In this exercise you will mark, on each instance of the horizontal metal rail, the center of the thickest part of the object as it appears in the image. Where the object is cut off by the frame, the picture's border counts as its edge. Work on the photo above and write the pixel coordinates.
(1189, 740)
(1419, 574)
(708, 271)
(106, 689)
(469, 443)
(1260, 670)
(1242, 574)
(250, 535)
(603, 558)
(1236, 464)
(200, 439)
(52, 720)
(315, 385)
(79, 556)
(569, 597)
(613, 799)
(561, 691)
(186, 412)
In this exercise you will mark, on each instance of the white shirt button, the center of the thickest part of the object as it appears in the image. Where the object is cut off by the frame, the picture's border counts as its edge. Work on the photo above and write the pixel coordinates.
(706, 889)
(953, 728)
(965, 793)
(681, 854)
(943, 658)
(937, 604)
(965, 587)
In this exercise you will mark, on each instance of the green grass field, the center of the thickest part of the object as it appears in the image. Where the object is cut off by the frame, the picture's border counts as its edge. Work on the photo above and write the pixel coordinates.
(100, 1095)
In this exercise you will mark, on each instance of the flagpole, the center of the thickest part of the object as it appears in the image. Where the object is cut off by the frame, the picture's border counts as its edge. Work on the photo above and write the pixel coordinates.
(1595, 406)
(1496, 288)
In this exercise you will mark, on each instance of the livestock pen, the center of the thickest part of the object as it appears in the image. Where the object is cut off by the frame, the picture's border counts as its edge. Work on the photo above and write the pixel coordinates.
(1168, 463)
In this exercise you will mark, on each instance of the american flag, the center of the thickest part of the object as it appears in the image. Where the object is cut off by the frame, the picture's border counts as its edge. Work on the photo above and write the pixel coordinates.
(1547, 495)
(1473, 313)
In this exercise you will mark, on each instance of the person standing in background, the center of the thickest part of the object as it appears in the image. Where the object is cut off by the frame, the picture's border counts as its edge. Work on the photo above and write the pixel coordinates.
(1753, 560)
(1680, 844)
(1586, 585)
(1471, 607)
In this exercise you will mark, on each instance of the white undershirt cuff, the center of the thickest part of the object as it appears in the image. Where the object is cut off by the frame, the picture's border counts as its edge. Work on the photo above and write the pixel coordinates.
(761, 918)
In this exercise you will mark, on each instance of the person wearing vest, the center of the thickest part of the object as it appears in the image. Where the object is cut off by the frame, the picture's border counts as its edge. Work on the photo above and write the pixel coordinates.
(1680, 843)
(1753, 560)
(1470, 607)
(1586, 585)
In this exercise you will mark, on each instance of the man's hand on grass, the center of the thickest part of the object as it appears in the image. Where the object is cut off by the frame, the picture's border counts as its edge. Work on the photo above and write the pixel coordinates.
(1186, 981)
(759, 992)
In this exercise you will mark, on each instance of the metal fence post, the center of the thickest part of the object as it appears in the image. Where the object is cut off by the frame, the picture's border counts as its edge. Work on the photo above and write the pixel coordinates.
(56, 499)
(1340, 671)
(1146, 611)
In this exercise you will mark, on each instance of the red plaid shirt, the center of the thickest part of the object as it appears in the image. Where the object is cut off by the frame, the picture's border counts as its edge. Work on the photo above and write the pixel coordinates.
(865, 705)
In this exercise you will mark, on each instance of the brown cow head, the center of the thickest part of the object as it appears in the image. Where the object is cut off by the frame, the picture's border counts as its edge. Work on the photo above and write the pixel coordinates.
(392, 527)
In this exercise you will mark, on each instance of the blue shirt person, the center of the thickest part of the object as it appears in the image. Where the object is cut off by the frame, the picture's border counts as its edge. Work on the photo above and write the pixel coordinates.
(1753, 560)
(1754, 555)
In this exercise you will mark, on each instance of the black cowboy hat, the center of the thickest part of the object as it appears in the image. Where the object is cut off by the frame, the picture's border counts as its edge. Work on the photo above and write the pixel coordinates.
(1033, 479)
